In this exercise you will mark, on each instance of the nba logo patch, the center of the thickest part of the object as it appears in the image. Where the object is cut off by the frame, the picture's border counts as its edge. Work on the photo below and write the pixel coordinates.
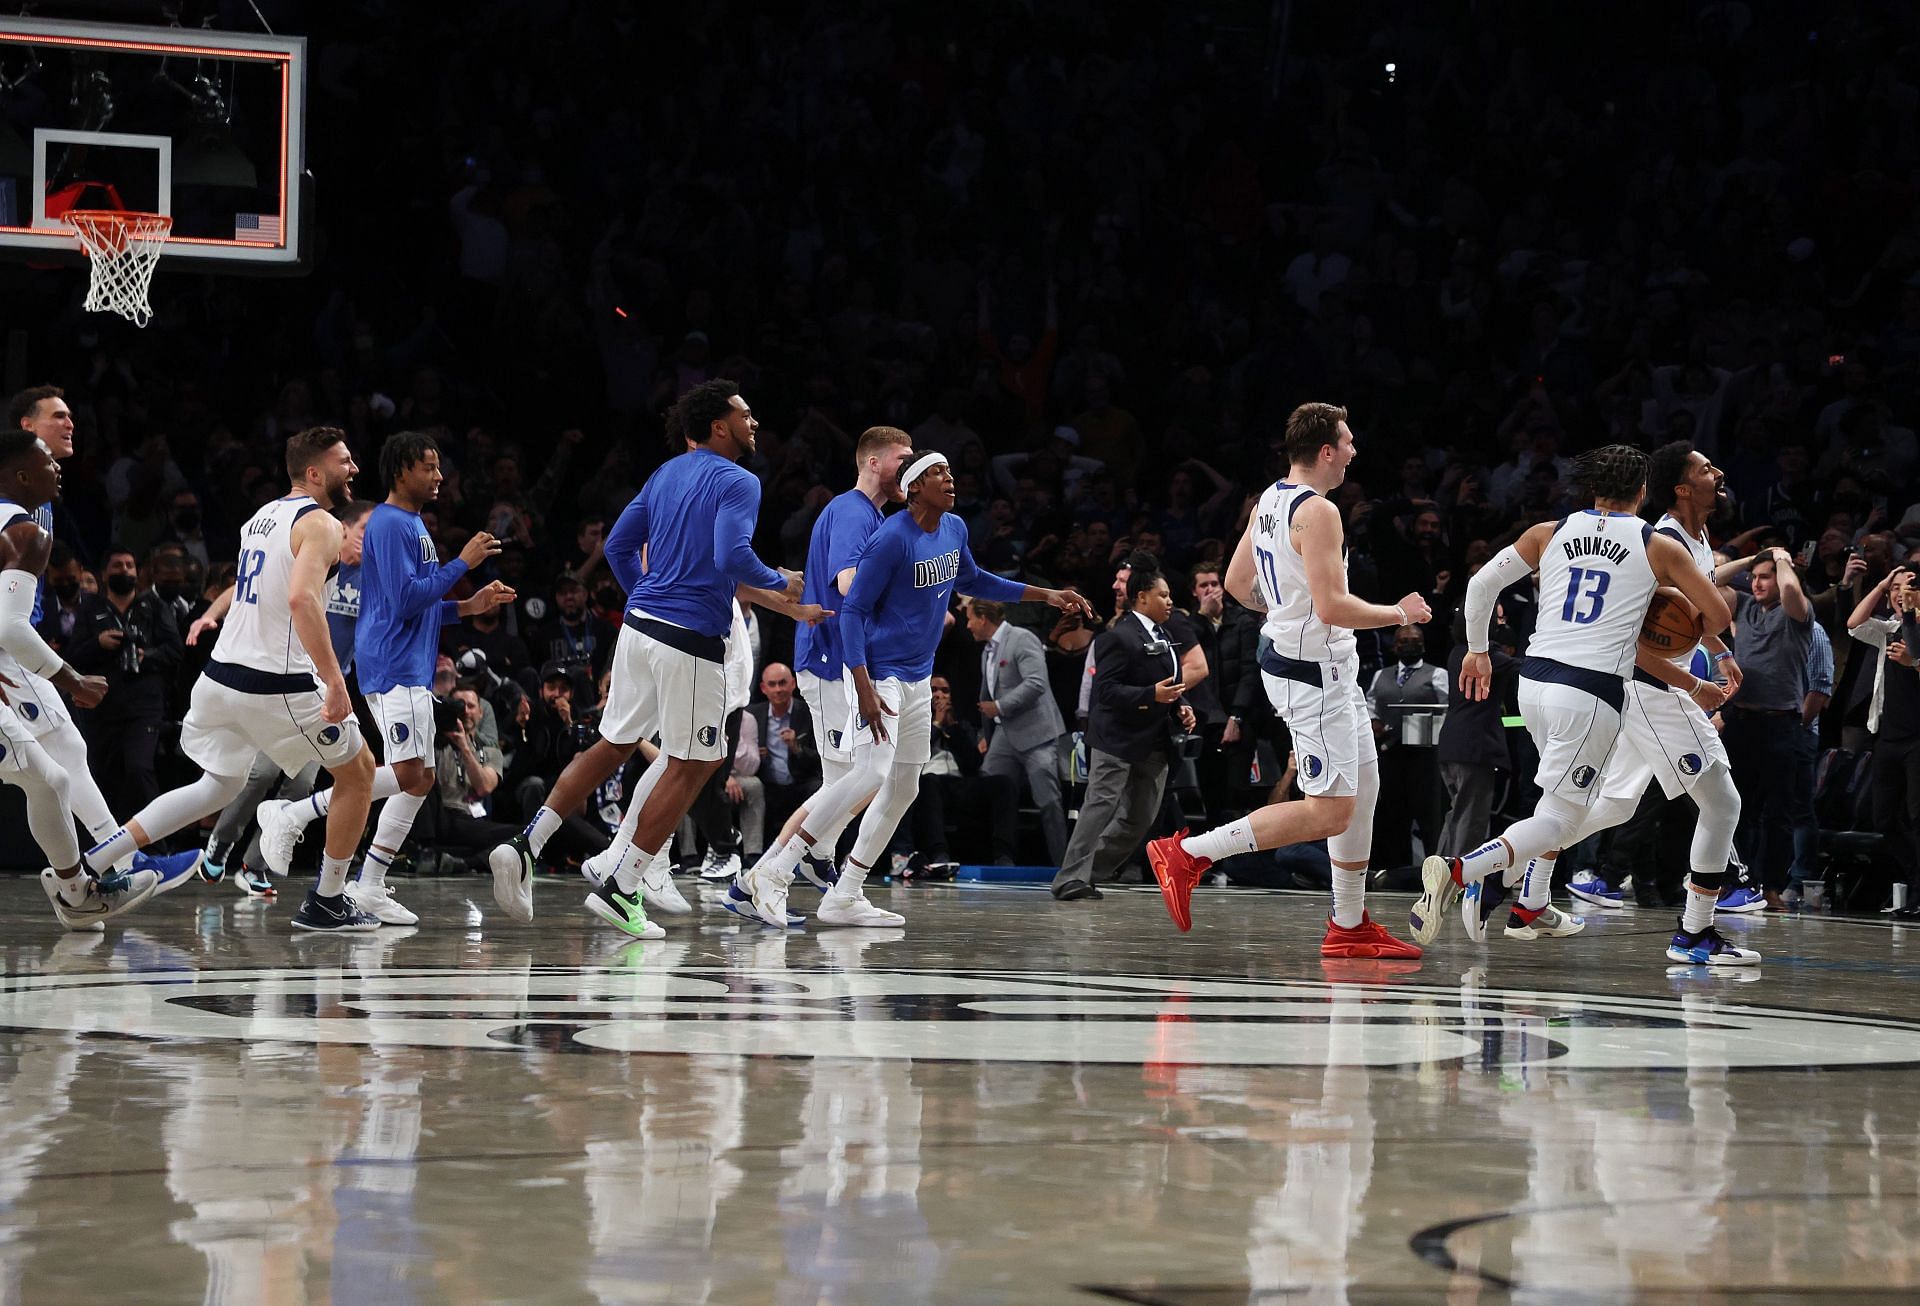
(707, 736)
(1689, 764)
(1311, 765)
(331, 735)
(399, 732)
(31, 711)
(1583, 776)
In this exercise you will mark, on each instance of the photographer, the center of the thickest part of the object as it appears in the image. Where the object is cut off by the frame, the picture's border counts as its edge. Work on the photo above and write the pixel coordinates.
(552, 733)
(468, 767)
(129, 636)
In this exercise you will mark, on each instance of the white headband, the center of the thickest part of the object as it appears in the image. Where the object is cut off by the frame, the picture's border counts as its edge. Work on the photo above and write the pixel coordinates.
(920, 468)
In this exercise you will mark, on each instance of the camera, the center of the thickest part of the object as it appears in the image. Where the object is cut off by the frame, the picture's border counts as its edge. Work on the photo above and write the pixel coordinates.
(448, 716)
(1188, 747)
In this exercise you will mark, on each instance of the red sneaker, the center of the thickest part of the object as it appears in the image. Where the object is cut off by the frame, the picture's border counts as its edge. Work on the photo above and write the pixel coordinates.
(1178, 871)
(1365, 940)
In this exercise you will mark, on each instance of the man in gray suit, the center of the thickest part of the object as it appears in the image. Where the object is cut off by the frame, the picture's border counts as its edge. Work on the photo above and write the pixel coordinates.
(1020, 721)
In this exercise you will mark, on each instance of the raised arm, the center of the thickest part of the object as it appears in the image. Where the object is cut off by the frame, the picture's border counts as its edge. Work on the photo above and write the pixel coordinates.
(1317, 534)
(390, 559)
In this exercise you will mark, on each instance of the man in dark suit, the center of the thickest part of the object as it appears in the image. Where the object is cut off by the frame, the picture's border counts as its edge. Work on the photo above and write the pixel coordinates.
(1135, 709)
(789, 752)
(1021, 722)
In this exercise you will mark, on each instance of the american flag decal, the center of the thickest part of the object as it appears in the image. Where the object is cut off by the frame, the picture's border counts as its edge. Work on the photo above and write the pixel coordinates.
(264, 227)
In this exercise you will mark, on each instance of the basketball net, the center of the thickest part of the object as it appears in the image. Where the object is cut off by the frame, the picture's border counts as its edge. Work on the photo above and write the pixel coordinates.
(122, 248)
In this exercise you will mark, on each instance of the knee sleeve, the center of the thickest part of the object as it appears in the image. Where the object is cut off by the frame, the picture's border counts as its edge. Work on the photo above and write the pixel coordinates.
(642, 791)
(396, 820)
(896, 795)
(1719, 804)
(1554, 824)
(68, 748)
(1603, 814)
(834, 805)
(1355, 843)
(48, 792)
(182, 807)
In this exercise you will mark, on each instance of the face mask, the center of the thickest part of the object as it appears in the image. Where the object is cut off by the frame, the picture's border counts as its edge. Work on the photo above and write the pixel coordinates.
(122, 584)
(186, 519)
(171, 591)
(1407, 653)
(66, 589)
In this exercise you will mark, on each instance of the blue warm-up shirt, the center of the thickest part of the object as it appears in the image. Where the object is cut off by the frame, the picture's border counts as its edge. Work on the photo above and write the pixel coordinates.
(695, 518)
(343, 612)
(840, 535)
(403, 586)
(897, 609)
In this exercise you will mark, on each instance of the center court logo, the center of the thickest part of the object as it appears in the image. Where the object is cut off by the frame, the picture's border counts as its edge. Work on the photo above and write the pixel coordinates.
(950, 1015)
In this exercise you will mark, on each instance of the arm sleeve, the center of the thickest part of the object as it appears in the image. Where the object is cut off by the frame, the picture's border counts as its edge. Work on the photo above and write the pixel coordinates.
(17, 634)
(449, 612)
(1504, 569)
(870, 582)
(624, 542)
(977, 584)
(387, 559)
(733, 537)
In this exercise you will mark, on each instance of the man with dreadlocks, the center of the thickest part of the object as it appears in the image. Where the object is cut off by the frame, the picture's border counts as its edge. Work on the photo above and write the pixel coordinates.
(1598, 569)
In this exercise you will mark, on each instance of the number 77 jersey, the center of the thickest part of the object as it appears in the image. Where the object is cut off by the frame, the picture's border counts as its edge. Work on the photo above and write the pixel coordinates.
(1293, 628)
(1595, 585)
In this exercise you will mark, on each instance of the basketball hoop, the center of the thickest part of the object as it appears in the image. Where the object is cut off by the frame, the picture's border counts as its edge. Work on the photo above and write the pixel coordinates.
(123, 247)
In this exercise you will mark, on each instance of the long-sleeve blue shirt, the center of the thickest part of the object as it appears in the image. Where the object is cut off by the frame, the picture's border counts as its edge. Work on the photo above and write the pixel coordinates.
(896, 610)
(695, 518)
(840, 535)
(403, 603)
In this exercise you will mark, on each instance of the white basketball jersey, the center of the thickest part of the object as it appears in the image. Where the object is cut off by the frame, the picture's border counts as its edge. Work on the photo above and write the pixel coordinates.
(1595, 585)
(1292, 626)
(1702, 558)
(258, 631)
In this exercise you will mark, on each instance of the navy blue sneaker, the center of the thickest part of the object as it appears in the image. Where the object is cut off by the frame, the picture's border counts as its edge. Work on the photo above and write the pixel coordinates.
(740, 903)
(820, 872)
(1477, 903)
(334, 915)
(213, 863)
(174, 869)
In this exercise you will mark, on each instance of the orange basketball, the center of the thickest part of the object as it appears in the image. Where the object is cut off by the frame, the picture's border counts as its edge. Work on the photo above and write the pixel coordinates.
(1672, 626)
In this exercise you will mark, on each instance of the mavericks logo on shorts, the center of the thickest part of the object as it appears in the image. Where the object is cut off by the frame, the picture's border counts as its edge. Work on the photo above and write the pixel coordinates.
(708, 736)
(30, 710)
(331, 735)
(1689, 764)
(1583, 776)
(399, 732)
(833, 738)
(1311, 765)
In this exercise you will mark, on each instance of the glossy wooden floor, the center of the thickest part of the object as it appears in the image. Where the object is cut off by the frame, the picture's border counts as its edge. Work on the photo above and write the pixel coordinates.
(1011, 1101)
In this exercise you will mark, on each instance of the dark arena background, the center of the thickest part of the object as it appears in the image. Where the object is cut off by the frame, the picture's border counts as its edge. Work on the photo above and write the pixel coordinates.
(529, 267)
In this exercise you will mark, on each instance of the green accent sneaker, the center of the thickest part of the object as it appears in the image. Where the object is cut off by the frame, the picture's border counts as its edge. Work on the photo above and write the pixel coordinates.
(622, 911)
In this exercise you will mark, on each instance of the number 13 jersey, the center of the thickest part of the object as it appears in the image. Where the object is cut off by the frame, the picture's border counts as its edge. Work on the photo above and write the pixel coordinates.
(258, 632)
(1595, 585)
(1293, 628)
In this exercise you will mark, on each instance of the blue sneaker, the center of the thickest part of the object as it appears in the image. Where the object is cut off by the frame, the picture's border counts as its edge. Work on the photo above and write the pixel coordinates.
(1708, 948)
(1588, 887)
(1477, 903)
(174, 869)
(820, 872)
(1742, 900)
(740, 903)
(334, 915)
(213, 863)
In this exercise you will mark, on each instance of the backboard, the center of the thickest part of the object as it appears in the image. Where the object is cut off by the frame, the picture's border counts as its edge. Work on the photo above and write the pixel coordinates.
(207, 127)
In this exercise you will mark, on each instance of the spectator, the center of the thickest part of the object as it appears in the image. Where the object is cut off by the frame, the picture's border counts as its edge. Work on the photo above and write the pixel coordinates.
(130, 637)
(789, 754)
(468, 766)
(572, 635)
(1409, 770)
(957, 795)
(1021, 722)
(1473, 747)
(1884, 622)
(1763, 720)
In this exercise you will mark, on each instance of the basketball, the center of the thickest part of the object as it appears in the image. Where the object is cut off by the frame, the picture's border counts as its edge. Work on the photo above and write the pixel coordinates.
(1672, 626)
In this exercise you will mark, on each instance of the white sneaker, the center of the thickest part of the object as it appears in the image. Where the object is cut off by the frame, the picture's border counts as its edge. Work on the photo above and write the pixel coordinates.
(716, 867)
(769, 893)
(378, 900)
(280, 830)
(658, 889)
(97, 908)
(1549, 924)
(846, 904)
(602, 864)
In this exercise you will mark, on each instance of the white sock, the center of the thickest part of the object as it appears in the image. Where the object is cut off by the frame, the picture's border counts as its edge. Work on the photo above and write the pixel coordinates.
(627, 878)
(373, 868)
(1698, 912)
(1493, 855)
(782, 860)
(1513, 875)
(74, 888)
(116, 847)
(1349, 897)
(541, 828)
(333, 876)
(1536, 885)
(1226, 841)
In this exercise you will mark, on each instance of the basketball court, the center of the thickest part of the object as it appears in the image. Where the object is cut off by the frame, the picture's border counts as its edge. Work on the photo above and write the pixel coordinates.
(1012, 1100)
